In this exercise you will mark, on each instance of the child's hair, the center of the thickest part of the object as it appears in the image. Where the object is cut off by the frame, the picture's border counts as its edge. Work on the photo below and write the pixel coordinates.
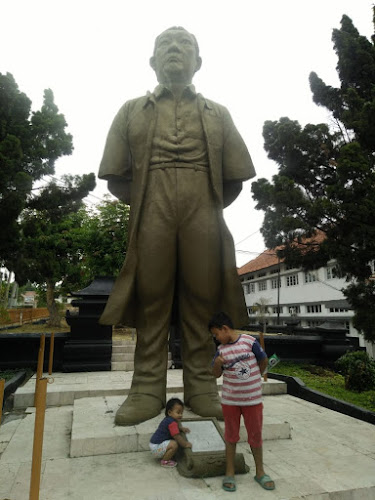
(220, 319)
(171, 403)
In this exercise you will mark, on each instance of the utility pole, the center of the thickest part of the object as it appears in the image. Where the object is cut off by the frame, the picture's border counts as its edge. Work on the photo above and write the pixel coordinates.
(278, 292)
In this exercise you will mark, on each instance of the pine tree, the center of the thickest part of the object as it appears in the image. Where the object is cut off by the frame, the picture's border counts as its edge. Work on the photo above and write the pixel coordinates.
(30, 143)
(326, 179)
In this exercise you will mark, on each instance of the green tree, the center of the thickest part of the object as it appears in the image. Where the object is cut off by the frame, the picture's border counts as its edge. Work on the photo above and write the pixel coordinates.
(101, 235)
(30, 143)
(48, 251)
(326, 179)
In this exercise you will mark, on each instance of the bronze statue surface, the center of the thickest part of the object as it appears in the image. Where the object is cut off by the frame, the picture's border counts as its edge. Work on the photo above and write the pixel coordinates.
(177, 159)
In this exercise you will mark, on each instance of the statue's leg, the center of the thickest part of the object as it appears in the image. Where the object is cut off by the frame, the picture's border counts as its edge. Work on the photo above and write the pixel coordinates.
(155, 288)
(199, 278)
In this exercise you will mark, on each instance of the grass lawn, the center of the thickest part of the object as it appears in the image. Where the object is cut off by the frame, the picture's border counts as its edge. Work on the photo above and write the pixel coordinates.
(326, 381)
(8, 374)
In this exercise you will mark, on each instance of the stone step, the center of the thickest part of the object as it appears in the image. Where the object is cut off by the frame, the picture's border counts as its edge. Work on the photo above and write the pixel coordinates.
(126, 366)
(123, 356)
(121, 342)
(67, 387)
(94, 431)
(123, 348)
(128, 356)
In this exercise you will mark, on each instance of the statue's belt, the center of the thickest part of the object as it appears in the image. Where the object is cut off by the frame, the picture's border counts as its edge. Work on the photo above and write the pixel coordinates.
(173, 164)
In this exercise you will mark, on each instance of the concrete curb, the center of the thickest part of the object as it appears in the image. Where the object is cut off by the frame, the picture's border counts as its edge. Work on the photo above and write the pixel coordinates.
(13, 384)
(298, 388)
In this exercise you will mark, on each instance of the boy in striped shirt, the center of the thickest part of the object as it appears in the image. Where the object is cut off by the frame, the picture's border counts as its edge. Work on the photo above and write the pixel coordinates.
(241, 361)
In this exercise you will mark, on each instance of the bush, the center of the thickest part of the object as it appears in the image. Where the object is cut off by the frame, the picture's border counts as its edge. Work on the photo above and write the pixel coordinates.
(4, 316)
(358, 369)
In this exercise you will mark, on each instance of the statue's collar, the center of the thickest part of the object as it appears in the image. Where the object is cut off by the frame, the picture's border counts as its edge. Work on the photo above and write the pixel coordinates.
(162, 90)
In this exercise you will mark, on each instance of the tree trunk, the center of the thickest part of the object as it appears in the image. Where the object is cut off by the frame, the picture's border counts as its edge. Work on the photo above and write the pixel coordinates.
(7, 288)
(54, 315)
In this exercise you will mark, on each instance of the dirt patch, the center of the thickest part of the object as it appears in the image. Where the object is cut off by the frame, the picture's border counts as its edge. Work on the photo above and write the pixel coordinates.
(119, 332)
(37, 328)
(319, 370)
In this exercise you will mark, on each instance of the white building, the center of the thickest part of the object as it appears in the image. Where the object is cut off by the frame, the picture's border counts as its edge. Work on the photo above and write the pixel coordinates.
(313, 297)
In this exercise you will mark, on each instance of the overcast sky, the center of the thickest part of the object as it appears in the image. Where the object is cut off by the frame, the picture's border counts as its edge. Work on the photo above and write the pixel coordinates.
(257, 57)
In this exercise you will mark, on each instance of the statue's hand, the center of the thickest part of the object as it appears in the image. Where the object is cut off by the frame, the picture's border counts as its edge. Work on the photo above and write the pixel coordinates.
(120, 188)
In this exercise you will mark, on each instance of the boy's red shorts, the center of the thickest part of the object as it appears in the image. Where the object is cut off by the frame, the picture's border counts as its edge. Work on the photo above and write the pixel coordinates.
(253, 419)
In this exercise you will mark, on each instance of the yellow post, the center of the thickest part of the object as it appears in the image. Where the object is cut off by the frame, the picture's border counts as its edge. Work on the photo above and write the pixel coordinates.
(2, 385)
(39, 369)
(36, 465)
(51, 348)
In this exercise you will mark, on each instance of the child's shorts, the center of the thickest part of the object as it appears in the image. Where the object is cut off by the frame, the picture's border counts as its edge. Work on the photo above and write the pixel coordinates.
(158, 450)
(253, 419)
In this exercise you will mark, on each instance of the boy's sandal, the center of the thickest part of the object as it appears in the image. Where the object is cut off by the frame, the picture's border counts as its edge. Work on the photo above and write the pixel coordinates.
(263, 480)
(168, 463)
(229, 480)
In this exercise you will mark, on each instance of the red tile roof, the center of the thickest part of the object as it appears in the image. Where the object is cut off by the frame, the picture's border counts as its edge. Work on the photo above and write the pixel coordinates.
(269, 258)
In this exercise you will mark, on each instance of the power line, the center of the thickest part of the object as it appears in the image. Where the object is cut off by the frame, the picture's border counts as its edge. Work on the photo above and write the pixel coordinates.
(249, 236)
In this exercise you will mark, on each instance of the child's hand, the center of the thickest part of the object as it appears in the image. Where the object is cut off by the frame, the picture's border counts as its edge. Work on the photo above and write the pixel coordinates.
(185, 429)
(219, 361)
(217, 367)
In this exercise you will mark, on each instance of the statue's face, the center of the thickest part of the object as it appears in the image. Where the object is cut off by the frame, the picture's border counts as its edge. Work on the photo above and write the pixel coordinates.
(175, 59)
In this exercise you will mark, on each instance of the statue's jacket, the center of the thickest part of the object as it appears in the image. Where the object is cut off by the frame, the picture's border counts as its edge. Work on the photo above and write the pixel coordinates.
(126, 161)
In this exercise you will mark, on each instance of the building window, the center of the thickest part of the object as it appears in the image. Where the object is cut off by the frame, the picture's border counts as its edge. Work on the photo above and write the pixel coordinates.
(250, 310)
(310, 277)
(251, 277)
(260, 275)
(338, 310)
(275, 283)
(332, 272)
(249, 288)
(292, 280)
(262, 285)
(314, 308)
(289, 267)
(274, 271)
(277, 310)
(294, 309)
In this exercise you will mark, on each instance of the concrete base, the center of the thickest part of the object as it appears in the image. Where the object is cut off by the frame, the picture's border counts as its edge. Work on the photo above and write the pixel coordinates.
(67, 387)
(331, 457)
(95, 433)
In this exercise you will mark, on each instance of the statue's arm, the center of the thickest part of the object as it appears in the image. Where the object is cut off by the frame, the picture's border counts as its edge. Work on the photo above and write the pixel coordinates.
(231, 189)
(120, 188)
(116, 164)
(237, 164)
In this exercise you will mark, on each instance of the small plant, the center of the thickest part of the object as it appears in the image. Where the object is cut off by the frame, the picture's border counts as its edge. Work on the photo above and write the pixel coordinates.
(4, 316)
(358, 369)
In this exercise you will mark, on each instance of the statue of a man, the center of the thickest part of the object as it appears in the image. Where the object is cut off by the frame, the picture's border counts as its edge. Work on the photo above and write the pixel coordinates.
(177, 159)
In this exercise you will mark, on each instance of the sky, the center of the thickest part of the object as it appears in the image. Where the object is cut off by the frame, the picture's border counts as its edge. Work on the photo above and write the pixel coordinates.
(257, 57)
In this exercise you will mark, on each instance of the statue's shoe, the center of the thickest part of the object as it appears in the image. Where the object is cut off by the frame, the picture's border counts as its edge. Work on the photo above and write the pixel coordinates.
(138, 408)
(206, 405)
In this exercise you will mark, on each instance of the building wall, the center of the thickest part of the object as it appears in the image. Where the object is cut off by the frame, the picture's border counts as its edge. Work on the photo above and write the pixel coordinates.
(314, 297)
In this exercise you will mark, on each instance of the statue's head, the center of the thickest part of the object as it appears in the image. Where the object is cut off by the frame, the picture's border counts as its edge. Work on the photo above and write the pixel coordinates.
(176, 56)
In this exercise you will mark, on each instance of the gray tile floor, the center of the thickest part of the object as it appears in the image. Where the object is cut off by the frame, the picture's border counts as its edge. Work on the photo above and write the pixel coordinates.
(330, 456)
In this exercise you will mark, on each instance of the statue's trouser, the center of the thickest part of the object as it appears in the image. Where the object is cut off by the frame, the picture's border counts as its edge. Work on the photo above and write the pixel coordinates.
(178, 242)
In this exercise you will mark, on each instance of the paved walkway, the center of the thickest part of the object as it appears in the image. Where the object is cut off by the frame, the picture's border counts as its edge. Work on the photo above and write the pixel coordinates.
(330, 456)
